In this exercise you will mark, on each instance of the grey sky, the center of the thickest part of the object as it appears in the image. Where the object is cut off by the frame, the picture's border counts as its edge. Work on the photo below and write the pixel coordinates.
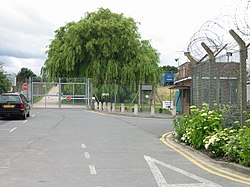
(28, 26)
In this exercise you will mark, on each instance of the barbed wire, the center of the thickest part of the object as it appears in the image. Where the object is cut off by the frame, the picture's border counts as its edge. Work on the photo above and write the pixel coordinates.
(215, 32)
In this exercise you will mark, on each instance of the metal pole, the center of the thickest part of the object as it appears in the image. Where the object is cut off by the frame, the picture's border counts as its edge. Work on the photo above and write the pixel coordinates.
(73, 95)
(59, 93)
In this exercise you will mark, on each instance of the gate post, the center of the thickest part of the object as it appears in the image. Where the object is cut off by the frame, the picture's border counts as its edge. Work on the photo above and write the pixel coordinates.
(59, 93)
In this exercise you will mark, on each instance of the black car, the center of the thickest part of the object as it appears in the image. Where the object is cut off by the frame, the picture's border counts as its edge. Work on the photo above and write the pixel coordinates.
(14, 105)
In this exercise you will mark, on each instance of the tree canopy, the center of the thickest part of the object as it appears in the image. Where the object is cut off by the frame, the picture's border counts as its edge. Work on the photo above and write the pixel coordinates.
(25, 72)
(169, 69)
(5, 84)
(104, 46)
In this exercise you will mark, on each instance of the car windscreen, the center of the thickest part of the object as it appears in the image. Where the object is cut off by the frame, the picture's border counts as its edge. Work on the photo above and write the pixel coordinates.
(9, 99)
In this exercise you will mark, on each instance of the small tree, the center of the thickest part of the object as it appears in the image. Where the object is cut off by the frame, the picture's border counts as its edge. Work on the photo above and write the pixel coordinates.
(4, 81)
(26, 73)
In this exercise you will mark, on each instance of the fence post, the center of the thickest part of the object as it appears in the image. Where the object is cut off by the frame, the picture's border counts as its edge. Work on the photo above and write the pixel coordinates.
(213, 91)
(197, 80)
(243, 76)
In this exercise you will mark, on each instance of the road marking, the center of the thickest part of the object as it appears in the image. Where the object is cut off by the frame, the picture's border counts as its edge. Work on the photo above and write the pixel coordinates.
(202, 164)
(25, 121)
(86, 154)
(92, 170)
(83, 146)
(13, 129)
(160, 180)
(33, 115)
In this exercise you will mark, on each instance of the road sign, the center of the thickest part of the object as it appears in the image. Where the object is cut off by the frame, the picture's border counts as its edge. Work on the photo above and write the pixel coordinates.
(25, 86)
(68, 98)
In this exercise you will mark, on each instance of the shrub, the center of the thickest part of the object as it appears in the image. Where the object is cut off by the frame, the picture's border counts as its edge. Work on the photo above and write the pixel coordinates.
(215, 141)
(198, 125)
(222, 136)
(238, 147)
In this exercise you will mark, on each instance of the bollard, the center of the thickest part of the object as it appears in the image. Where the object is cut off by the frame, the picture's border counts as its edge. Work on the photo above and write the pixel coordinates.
(100, 106)
(104, 106)
(173, 111)
(136, 110)
(122, 108)
(113, 107)
(96, 105)
(109, 107)
(152, 111)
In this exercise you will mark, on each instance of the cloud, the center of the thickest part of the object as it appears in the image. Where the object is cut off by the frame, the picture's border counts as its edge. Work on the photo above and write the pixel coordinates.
(24, 34)
(14, 65)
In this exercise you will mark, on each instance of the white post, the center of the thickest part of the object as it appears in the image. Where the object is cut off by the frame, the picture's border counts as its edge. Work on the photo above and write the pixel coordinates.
(104, 106)
(96, 105)
(173, 111)
(122, 108)
(109, 107)
(100, 106)
(152, 110)
(136, 110)
(113, 107)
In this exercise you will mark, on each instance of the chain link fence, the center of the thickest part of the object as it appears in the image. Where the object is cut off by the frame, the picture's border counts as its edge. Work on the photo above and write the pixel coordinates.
(129, 95)
(217, 82)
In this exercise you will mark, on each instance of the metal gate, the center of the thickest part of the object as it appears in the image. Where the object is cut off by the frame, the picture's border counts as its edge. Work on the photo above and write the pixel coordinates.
(61, 93)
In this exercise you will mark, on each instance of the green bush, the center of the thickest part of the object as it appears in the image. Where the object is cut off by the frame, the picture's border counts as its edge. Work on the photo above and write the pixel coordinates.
(204, 128)
(215, 142)
(199, 124)
(238, 147)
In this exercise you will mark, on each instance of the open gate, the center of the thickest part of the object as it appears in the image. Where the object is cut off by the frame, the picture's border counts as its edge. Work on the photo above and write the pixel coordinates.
(61, 93)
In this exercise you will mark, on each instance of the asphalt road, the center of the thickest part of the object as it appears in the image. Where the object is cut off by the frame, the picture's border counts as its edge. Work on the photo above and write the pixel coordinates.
(71, 148)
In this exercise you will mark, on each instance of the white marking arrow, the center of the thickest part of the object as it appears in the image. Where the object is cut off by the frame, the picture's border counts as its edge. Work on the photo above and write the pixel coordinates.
(160, 180)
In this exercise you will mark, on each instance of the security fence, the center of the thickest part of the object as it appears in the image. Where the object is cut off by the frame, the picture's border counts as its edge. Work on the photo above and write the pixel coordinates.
(129, 95)
(215, 82)
(60, 93)
(222, 80)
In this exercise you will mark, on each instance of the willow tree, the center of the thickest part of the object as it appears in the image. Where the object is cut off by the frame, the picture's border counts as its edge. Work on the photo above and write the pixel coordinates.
(104, 46)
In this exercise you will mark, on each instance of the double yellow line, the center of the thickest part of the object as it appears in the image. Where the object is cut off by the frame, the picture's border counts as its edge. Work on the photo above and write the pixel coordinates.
(202, 164)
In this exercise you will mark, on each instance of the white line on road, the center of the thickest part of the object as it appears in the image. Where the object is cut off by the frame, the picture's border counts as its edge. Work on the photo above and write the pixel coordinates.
(86, 154)
(83, 146)
(13, 129)
(33, 115)
(25, 121)
(92, 170)
(160, 180)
